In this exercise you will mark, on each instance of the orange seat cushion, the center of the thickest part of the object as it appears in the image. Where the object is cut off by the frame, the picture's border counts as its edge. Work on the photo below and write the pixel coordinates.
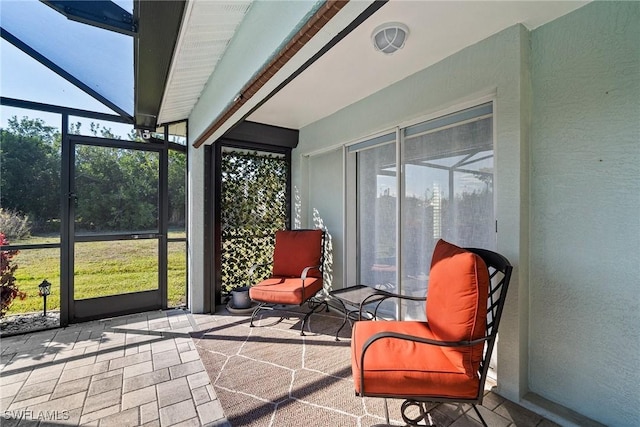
(401, 368)
(285, 290)
(295, 250)
(457, 302)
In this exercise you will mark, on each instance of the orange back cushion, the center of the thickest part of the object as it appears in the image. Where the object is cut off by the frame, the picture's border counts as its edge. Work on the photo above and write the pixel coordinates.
(457, 302)
(295, 250)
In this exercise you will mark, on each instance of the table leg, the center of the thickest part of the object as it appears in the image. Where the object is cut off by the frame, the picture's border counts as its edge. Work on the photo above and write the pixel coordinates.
(346, 317)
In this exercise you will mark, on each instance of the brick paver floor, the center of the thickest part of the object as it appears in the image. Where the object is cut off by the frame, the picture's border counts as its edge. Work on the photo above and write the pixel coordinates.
(141, 369)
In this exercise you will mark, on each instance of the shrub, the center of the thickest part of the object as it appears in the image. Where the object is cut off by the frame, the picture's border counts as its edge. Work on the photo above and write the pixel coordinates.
(8, 288)
(13, 225)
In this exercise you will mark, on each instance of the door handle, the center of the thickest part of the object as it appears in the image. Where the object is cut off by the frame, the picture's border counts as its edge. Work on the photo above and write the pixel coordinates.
(74, 197)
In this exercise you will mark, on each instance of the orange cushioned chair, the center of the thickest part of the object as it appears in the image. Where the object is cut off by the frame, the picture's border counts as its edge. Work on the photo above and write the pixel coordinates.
(446, 358)
(296, 274)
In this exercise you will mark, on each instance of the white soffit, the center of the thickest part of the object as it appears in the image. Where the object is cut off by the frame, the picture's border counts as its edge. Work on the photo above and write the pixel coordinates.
(207, 29)
(332, 28)
(353, 69)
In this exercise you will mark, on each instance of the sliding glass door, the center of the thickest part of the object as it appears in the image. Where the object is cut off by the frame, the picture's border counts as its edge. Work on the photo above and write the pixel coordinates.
(445, 183)
(377, 186)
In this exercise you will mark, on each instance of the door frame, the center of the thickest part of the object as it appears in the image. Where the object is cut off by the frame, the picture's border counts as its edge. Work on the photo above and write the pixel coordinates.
(246, 135)
(100, 307)
(217, 202)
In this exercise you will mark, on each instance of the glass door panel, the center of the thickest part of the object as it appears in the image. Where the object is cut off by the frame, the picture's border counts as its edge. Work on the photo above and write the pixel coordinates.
(376, 217)
(117, 238)
(116, 190)
(115, 267)
(448, 192)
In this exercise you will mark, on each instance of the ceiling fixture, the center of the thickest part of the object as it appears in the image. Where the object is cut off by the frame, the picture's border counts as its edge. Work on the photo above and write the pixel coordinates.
(390, 37)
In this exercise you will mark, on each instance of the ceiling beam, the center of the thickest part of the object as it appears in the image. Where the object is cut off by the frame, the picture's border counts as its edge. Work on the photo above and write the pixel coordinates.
(99, 13)
(158, 29)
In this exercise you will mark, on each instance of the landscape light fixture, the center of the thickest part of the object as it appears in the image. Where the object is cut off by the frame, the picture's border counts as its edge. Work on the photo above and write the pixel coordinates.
(44, 290)
(390, 37)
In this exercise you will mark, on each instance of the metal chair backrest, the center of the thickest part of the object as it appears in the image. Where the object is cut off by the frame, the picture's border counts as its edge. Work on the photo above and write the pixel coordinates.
(499, 276)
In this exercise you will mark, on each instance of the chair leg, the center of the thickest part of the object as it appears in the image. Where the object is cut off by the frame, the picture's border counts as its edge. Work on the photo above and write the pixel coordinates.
(423, 417)
(255, 312)
(314, 309)
(480, 416)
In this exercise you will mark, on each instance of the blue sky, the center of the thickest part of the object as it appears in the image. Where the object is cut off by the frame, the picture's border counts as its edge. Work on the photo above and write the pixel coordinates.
(22, 77)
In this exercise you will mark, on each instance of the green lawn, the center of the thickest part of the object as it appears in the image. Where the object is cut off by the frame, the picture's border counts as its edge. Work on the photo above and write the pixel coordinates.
(101, 268)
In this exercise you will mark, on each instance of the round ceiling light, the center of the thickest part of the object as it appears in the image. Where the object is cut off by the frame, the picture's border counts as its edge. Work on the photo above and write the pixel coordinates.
(390, 37)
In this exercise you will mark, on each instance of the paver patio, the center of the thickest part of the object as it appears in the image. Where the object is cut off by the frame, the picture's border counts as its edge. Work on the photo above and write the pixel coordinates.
(145, 370)
(133, 370)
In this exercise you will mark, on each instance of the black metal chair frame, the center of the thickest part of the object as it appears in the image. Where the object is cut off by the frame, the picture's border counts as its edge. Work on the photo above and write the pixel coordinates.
(497, 265)
(314, 305)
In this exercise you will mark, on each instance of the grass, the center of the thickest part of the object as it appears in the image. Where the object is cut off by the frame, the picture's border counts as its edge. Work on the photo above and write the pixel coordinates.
(101, 268)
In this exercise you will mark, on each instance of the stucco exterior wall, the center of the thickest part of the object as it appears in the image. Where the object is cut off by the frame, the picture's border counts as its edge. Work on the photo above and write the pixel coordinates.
(491, 68)
(585, 212)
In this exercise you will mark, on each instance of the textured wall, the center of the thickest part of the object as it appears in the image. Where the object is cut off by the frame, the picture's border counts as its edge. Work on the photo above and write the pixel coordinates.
(585, 212)
(327, 207)
(568, 195)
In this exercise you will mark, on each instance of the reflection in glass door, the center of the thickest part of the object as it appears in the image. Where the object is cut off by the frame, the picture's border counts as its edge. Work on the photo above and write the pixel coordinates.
(447, 192)
(117, 237)
(435, 179)
(377, 213)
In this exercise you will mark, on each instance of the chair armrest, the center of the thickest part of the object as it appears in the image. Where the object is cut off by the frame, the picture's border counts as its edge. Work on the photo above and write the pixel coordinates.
(386, 295)
(303, 277)
(375, 337)
(306, 271)
(394, 335)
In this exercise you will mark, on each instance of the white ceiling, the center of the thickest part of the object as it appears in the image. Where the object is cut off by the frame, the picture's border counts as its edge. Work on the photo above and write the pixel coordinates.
(353, 70)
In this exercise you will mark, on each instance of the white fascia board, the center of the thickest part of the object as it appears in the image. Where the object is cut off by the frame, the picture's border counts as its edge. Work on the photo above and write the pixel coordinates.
(267, 27)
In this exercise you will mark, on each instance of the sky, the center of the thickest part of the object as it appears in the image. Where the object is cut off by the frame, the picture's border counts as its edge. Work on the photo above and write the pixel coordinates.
(22, 77)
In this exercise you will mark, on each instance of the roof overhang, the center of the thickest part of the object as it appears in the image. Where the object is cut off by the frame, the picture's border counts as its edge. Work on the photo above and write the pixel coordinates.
(337, 64)
(158, 28)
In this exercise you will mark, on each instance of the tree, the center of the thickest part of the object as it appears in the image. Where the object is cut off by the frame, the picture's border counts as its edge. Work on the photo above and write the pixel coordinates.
(177, 188)
(117, 189)
(30, 169)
